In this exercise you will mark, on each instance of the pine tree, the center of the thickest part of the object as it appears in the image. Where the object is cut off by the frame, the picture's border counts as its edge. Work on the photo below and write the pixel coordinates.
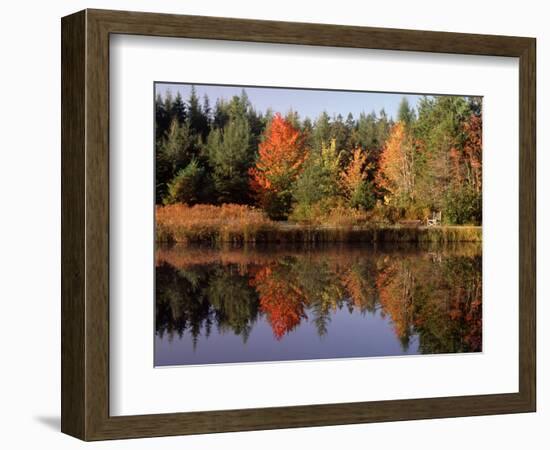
(230, 157)
(207, 110)
(173, 152)
(318, 181)
(162, 119)
(168, 102)
(178, 109)
(185, 186)
(321, 131)
(405, 113)
(366, 136)
(196, 118)
(339, 133)
(293, 117)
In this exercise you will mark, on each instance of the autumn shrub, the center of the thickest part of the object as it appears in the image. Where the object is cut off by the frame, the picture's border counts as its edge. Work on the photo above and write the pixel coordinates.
(378, 215)
(332, 212)
(314, 213)
(225, 223)
(344, 216)
(391, 213)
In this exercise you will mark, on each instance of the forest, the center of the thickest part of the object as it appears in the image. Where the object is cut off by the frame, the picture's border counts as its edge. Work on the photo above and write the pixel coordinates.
(277, 166)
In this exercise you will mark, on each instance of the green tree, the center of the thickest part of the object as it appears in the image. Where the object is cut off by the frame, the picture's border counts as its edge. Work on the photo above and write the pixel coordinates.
(463, 205)
(321, 132)
(365, 133)
(383, 128)
(197, 119)
(319, 182)
(230, 157)
(161, 118)
(440, 133)
(185, 186)
(178, 109)
(340, 134)
(221, 113)
(173, 152)
(405, 113)
(293, 117)
(207, 110)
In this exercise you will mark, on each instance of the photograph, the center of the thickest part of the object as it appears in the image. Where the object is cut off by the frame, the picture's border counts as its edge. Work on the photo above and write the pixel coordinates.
(300, 224)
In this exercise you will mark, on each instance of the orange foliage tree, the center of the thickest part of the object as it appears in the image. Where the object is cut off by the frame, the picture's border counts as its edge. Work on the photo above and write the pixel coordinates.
(396, 169)
(354, 174)
(281, 156)
(353, 180)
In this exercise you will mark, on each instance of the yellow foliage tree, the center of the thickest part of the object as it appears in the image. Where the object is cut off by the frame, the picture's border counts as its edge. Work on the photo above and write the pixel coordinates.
(397, 166)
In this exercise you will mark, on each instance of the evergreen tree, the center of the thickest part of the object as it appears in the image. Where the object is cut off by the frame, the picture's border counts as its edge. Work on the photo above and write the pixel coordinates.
(405, 113)
(185, 186)
(319, 182)
(321, 131)
(174, 151)
(162, 118)
(169, 103)
(350, 122)
(306, 190)
(207, 110)
(340, 134)
(196, 117)
(383, 127)
(294, 118)
(366, 135)
(178, 109)
(307, 127)
(221, 114)
(230, 158)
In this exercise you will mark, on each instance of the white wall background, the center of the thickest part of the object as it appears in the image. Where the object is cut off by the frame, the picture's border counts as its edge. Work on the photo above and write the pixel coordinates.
(30, 222)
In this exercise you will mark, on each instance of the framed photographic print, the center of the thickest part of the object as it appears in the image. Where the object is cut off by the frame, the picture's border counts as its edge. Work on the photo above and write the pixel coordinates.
(270, 224)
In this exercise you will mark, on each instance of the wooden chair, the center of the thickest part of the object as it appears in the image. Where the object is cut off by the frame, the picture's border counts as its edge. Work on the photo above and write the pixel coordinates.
(435, 220)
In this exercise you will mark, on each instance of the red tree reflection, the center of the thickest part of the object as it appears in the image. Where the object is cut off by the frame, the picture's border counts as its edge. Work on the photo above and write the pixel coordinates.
(281, 301)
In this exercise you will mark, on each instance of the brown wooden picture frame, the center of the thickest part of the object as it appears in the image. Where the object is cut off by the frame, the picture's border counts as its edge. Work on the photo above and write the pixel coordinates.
(85, 224)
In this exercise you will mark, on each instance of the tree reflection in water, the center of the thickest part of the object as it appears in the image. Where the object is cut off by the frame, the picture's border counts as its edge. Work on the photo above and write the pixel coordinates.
(431, 293)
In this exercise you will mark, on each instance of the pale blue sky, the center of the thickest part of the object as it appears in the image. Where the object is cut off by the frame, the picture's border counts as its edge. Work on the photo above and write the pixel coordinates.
(307, 102)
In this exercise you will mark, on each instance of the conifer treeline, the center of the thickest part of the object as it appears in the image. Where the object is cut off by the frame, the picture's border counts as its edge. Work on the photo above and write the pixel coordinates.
(428, 160)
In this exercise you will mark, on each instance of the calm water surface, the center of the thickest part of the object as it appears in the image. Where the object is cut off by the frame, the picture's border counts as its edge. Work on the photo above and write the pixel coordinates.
(297, 303)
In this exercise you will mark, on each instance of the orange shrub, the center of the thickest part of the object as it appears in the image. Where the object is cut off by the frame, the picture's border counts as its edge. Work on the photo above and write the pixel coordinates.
(225, 223)
(344, 217)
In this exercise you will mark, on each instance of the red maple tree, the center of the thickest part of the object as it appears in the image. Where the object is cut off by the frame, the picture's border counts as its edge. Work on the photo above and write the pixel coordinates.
(281, 156)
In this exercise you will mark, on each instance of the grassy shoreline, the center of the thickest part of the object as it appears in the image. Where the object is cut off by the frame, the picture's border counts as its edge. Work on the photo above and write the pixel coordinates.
(237, 224)
(281, 233)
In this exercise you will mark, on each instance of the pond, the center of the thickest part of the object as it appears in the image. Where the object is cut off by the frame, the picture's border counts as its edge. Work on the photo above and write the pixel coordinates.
(281, 303)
